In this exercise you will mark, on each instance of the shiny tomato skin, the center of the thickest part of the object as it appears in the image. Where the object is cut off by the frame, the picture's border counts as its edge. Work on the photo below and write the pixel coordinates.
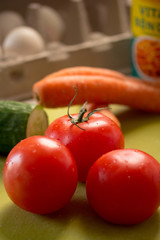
(123, 186)
(40, 175)
(100, 135)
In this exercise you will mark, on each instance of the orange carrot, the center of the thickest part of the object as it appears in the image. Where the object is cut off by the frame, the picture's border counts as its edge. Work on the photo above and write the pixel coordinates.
(91, 106)
(57, 91)
(86, 71)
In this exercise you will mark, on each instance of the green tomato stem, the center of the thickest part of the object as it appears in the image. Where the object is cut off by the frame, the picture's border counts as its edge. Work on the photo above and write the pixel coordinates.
(82, 111)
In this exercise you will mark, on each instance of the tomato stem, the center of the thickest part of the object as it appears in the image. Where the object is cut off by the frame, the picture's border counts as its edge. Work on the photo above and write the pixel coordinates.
(82, 111)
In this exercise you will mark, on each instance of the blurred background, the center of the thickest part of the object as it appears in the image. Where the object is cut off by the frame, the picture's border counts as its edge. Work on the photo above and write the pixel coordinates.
(38, 38)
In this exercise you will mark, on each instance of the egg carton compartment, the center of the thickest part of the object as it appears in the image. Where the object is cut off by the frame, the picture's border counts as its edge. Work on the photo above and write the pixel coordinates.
(43, 37)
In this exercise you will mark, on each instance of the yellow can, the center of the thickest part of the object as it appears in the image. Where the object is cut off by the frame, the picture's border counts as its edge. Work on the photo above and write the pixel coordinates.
(145, 24)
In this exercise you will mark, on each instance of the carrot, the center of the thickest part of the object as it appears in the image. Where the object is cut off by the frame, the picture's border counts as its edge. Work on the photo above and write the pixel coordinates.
(92, 71)
(87, 71)
(91, 106)
(57, 91)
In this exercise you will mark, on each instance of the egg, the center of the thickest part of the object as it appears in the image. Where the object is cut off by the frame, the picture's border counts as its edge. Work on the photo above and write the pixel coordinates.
(23, 41)
(8, 21)
(46, 20)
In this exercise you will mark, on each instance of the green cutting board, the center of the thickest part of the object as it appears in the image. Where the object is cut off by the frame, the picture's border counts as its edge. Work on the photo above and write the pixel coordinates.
(77, 221)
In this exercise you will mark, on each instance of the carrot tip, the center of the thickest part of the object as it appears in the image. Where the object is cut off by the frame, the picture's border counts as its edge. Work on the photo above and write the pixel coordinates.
(36, 96)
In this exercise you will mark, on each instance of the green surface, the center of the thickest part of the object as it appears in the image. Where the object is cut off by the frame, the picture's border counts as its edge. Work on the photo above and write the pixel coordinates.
(77, 221)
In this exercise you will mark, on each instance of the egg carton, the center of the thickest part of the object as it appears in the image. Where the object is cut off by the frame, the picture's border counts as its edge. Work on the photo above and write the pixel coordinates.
(89, 33)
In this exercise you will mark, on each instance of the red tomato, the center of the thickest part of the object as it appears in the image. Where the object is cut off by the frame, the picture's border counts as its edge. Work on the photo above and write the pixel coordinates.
(100, 135)
(40, 175)
(123, 186)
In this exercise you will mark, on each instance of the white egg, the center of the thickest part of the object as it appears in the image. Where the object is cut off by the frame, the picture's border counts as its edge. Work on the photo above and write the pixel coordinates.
(47, 21)
(23, 41)
(8, 21)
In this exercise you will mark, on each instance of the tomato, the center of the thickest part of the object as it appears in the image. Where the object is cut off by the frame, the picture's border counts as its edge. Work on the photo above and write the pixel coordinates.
(40, 175)
(98, 135)
(123, 186)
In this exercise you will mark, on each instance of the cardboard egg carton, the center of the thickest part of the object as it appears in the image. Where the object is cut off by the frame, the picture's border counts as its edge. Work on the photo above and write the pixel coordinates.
(96, 33)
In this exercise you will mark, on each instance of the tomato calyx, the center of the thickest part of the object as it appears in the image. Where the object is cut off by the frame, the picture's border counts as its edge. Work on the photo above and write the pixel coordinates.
(82, 111)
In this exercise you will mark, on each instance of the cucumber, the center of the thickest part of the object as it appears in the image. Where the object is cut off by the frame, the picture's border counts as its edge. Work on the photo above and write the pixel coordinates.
(19, 120)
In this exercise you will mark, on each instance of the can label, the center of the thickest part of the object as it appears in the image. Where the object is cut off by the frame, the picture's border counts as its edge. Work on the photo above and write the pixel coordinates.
(145, 22)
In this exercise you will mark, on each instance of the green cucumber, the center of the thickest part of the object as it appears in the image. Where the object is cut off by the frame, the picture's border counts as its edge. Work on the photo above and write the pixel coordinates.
(19, 120)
